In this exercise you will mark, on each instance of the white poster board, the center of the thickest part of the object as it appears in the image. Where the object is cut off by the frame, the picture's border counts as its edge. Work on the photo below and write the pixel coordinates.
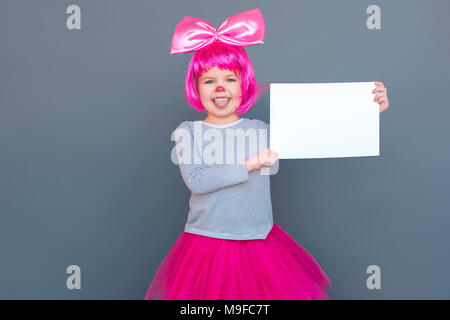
(324, 120)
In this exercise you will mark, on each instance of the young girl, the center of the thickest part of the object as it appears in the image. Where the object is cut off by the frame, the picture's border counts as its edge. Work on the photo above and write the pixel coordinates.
(230, 248)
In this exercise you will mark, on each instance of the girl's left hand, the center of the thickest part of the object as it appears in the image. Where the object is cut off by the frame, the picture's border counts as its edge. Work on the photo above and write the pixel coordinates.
(381, 98)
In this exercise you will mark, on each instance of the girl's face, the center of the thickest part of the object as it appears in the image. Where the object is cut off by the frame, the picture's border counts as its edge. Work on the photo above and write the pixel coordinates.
(220, 92)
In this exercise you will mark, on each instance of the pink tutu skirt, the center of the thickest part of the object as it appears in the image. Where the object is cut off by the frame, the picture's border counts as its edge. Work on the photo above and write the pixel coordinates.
(204, 268)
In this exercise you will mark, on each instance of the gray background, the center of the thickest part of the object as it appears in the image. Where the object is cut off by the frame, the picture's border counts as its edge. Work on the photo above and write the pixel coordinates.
(85, 123)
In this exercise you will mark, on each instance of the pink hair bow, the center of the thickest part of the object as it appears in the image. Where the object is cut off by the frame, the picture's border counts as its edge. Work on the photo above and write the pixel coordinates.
(243, 29)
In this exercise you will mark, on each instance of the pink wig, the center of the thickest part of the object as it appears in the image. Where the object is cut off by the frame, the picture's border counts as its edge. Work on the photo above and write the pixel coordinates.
(225, 57)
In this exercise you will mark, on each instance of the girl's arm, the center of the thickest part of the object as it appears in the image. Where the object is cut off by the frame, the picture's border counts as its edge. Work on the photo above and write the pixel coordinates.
(203, 178)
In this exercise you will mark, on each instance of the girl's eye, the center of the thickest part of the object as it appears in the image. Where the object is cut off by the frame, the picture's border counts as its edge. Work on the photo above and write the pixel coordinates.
(229, 80)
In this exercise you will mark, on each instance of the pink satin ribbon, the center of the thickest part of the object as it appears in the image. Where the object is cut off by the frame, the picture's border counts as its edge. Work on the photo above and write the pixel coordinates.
(243, 29)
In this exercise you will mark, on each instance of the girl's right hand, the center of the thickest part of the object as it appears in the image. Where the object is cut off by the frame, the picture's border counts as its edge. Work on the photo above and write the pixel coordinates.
(265, 158)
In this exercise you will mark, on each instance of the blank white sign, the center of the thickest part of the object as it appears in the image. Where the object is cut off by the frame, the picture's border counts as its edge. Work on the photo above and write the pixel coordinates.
(324, 120)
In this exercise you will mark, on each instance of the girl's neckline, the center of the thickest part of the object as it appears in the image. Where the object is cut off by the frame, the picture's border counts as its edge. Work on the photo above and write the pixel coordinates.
(222, 125)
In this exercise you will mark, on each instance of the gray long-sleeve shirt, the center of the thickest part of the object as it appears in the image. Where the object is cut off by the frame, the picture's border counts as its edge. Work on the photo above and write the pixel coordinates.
(226, 200)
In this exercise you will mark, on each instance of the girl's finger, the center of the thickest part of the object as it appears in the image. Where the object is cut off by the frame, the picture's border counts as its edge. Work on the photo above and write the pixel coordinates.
(379, 95)
(379, 89)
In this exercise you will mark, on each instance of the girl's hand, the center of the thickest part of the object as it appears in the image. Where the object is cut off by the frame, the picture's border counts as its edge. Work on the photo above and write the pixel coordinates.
(265, 158)
(381, 98)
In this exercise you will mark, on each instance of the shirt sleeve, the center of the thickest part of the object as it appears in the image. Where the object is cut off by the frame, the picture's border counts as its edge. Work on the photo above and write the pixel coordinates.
(204, 178)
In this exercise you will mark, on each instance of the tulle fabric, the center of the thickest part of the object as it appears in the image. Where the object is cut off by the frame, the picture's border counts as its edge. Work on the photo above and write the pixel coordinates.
(205, 268)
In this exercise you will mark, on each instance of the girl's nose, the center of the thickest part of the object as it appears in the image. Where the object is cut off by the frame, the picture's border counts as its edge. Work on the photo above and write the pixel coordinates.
(220, 88)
